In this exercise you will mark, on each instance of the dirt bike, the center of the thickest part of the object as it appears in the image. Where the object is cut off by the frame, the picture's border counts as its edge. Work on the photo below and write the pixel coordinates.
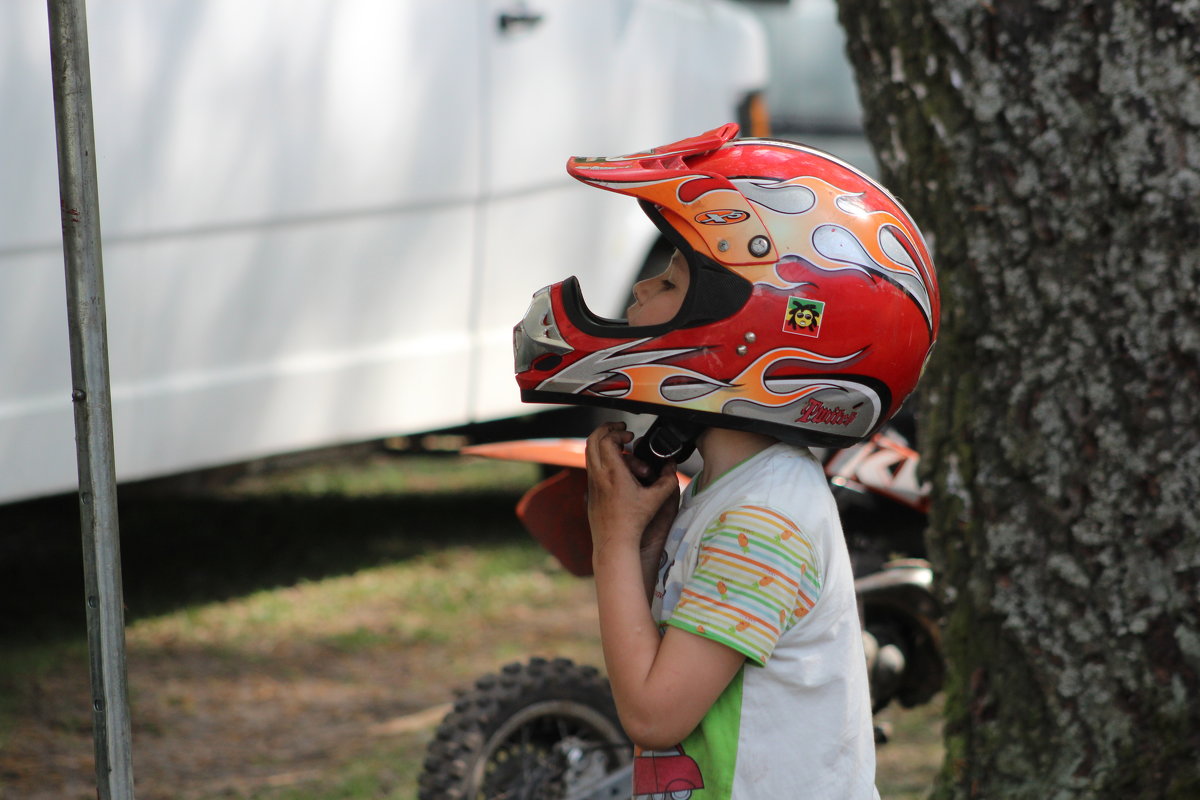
(548, 729)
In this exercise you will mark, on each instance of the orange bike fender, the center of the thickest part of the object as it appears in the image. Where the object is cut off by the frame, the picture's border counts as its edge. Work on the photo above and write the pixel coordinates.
(555, 514)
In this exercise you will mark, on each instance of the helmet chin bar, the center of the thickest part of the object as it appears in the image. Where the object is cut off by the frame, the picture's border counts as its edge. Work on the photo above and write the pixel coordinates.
(703, 419)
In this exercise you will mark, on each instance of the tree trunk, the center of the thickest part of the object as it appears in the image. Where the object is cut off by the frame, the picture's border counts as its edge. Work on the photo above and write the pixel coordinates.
(1050, 149)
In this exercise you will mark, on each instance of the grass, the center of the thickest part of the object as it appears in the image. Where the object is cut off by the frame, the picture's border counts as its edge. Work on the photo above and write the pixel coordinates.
(908, 763)
(295, 636)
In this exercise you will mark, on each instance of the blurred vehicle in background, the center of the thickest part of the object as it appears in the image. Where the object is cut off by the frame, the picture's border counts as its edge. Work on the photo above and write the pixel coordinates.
(321, 217)
(812, 94)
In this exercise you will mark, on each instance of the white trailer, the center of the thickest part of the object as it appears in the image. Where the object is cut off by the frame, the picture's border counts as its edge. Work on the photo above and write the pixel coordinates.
(321, 218)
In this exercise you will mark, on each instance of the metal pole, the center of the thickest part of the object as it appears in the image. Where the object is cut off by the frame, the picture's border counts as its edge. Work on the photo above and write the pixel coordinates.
(90, 393)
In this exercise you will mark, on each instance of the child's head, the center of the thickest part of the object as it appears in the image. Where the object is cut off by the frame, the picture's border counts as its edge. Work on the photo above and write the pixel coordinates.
(802, 302)
(657, 299)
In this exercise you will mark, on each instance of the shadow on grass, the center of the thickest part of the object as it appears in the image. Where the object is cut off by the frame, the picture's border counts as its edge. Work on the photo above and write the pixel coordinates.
(180, 551)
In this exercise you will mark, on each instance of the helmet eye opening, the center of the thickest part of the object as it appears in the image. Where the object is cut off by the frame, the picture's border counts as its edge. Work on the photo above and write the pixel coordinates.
(714, 293)
(595, 325)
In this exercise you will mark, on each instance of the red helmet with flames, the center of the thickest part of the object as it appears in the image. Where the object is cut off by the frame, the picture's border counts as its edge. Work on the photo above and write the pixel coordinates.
(811, 310)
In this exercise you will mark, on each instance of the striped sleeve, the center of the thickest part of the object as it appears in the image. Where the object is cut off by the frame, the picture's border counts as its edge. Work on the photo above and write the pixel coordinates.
(756, 576)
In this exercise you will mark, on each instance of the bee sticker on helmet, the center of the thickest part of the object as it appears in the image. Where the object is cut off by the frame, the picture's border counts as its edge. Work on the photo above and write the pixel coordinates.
(803, 316)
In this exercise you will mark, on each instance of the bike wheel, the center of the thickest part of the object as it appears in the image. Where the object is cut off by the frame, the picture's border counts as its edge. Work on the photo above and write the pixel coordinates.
(535, 731)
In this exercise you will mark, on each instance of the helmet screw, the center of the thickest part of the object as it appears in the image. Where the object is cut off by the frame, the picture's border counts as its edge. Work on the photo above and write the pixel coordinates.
(741, 350)
(750, 337)
(722, 245)
(760, 246)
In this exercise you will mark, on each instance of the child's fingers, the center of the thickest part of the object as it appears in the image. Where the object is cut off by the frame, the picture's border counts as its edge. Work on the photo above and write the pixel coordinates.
(667, 482)
(605, 449)
(639, 468)
(600, 438)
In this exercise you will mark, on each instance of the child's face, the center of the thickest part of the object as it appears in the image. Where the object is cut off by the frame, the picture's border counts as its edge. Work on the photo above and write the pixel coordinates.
(657, 299)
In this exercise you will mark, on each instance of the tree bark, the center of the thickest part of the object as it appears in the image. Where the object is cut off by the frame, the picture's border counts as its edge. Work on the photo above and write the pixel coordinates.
(1050, 149)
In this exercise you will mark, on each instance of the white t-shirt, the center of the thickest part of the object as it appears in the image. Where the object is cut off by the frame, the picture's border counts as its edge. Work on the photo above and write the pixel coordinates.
(757, 562)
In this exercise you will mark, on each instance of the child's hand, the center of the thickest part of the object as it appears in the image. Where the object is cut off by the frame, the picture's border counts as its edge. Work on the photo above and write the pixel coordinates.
(621, 511)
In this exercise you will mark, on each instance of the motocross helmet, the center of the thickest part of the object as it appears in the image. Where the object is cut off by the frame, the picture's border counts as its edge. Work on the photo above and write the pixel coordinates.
(811, 309)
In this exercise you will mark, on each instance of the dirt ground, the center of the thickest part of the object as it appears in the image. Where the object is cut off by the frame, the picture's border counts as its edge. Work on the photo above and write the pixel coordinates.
(270, 715)
(241, 718)
(210, 725)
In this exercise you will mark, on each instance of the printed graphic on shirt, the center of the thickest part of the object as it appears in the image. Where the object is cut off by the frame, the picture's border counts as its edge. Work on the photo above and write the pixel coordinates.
(756, 576)
(665, 773)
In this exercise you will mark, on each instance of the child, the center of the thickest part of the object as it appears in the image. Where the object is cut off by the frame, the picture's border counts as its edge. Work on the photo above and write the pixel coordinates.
(798, 310)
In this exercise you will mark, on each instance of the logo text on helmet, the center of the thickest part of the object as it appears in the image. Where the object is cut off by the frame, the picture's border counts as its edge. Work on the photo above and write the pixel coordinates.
(722, 216)
(817, 413)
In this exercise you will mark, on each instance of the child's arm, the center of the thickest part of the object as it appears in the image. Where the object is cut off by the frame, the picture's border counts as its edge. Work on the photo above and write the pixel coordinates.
(663, 685)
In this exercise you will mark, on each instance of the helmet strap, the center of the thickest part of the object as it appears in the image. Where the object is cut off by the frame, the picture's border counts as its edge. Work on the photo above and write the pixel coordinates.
(667, 440)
